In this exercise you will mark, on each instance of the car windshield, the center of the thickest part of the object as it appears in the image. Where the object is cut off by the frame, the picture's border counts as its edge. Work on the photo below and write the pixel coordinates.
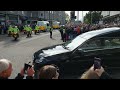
(72, 44)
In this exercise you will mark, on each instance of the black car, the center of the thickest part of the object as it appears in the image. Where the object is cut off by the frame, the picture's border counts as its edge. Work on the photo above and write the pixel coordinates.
(76, 56)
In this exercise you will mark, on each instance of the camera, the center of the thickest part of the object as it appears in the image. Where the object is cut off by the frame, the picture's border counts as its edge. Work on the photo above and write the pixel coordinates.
(26, 66)
(97, 63)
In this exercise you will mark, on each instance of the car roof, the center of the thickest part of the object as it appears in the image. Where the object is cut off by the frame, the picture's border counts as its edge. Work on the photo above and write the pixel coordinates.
(94, 33)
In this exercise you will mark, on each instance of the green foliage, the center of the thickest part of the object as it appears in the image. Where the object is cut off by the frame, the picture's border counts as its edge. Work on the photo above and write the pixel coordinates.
(92, 17)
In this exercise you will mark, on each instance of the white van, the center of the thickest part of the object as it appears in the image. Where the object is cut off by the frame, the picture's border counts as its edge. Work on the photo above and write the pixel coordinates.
(42, 25)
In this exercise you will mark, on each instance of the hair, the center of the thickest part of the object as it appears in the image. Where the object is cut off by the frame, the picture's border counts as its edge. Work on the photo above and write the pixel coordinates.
(89, 75)
(47, 72)
(4, 64)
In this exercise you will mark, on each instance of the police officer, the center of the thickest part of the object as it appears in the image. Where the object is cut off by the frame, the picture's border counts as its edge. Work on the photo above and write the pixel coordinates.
(64, 34)
(10, 30)
(16, 30)
(50, 29)
(37, 29)
(25, 29)
(29, 30)
(61, 32)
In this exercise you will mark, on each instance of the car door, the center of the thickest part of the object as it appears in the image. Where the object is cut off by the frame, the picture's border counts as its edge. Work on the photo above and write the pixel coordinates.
(111, 51)
(82, 58)
(111, 60)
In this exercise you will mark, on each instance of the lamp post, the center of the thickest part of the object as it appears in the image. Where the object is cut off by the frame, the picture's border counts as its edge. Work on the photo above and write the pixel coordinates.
(6, 18)
(91, 16)
(44, 15)
(82, 16)
(49, 14)
(78, 15)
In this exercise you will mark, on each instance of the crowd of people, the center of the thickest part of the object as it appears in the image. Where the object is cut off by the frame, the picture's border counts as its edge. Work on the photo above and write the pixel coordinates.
(3, 29)
(70, 31)
(48, 72)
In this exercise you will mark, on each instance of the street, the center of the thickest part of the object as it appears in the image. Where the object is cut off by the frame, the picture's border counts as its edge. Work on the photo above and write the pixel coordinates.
(21, 51)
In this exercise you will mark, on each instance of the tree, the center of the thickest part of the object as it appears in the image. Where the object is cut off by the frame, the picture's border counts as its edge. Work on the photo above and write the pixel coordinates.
(67, 17)
(93, 17)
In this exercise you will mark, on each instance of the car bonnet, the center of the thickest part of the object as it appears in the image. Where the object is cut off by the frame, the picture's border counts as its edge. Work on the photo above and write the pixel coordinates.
(53, 51)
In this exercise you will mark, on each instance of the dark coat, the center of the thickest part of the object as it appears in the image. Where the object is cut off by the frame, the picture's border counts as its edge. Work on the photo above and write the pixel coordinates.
(105, 75)
(19, 76)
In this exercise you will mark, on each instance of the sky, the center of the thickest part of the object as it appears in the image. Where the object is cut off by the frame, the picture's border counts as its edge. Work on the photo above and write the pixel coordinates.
(80, 14)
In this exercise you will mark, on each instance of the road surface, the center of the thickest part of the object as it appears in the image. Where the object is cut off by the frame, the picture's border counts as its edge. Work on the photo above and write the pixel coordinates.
(21, 51)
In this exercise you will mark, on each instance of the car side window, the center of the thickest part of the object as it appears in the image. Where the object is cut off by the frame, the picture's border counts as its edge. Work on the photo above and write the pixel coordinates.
(91, 44)
(112, 42)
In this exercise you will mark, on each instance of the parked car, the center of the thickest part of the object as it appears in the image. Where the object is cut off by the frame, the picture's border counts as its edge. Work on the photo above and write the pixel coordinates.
(77, 55)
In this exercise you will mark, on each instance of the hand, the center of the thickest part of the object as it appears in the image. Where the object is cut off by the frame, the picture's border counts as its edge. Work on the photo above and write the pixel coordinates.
(22, 72)
(30, 71)
(99, 71)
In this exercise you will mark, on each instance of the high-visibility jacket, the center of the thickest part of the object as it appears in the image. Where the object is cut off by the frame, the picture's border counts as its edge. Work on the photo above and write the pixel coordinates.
(25, 28)
(28, 28)
(51, 29)
(48, 28)
(64, 31)
(15, 30)
(37, 28)
(10, 28)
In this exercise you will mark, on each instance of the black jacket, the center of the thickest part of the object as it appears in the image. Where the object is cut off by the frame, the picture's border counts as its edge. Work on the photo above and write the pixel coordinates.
(19, 76)
(105, 75)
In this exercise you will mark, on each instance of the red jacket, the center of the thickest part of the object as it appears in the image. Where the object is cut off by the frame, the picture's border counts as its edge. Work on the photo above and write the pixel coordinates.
(78, 30)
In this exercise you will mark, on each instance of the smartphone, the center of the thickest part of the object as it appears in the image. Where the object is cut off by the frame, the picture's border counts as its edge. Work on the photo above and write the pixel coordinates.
(26, 66)
(97, 63)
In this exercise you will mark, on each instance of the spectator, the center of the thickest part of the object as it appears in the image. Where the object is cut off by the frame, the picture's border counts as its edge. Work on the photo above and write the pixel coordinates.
(61, 32)
(50, 29)
(74, 32)
(71, 33)
(5, 29)
(46, 72)
(67, 33)
(30, 73)
(49, 72)
(96, 74)
(90, 74)
(64, 35)
(5, 69)
(78, 30)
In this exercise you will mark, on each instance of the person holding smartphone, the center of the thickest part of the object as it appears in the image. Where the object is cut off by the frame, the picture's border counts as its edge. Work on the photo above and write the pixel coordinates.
(96, 71)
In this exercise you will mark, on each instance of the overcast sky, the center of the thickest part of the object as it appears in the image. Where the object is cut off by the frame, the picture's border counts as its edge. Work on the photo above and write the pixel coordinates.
(80, 14)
